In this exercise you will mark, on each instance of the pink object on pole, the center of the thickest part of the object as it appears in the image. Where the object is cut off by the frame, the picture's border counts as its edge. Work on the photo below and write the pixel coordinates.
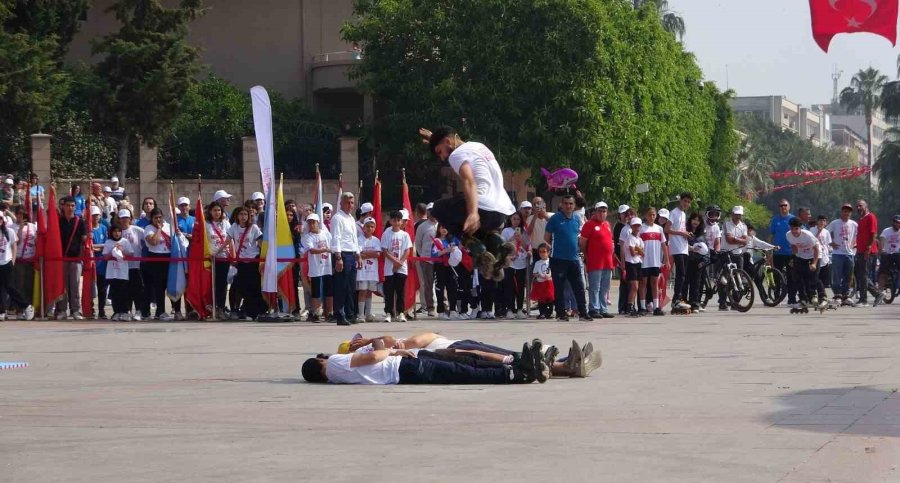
(562, 178)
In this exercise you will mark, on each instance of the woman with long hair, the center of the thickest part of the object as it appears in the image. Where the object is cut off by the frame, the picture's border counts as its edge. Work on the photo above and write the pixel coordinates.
(8, 287)
(514, 280)
(217, 232)
(693, 273)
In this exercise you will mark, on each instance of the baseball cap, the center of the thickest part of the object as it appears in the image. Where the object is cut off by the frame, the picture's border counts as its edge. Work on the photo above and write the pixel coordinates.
(366, 208)
(95, 210)
(601, 204)
(525, 204)
(405, 214)
(896, 218)
(327, 206)
(737, 210)
(312, 217)
(107, 189)
(623, 208)
(664, 213)
(847, 206)
(221, 194)
(257, 196)
(114, 179)
(369, 220)
(8, 181)
(184, 201)
(124, 213)
(636, 221)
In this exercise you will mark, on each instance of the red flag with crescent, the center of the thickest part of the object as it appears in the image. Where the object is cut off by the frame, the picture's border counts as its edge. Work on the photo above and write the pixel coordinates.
(832, 17)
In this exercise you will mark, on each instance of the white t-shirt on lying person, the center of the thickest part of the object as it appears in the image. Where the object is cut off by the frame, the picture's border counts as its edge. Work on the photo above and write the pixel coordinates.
(338, 371)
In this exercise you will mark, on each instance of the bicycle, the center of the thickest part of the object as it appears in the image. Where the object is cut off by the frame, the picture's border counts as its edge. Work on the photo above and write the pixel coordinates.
(892, 286)
(771, 282)
(738, 284)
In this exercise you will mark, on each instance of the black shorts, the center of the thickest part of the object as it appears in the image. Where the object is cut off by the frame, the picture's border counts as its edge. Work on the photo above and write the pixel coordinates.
(632, 272)
(650, 271)
(320, 284)
(888, 262)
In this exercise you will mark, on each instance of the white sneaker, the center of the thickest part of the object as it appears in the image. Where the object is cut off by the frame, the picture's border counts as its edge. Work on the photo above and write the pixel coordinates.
(431, 313)
(29, 312)
(453, 315)
(510, 315)
(521, 315)
(444, 316)
(136, 317)
(401, 318)
(682, 305)
(387, 318)
(166, 317)
(2, 316)
(360, 320)
(370, 318)
(464, 316)
(127, 317)
(78, 316)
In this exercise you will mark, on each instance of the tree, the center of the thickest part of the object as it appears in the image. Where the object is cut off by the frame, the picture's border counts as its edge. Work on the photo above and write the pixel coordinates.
(887, 167)
(146, 70)
(56, 20)
(590, 84)
(671, 21)
(865, 95)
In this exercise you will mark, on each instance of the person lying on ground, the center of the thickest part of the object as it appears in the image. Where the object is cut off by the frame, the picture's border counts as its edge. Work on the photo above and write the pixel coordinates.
(405, 366)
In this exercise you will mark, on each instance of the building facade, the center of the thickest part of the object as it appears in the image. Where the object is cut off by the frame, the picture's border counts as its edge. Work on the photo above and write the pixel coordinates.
(812, 123)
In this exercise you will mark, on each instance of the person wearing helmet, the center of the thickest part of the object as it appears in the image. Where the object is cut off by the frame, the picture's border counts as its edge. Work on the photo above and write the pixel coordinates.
(889, 244)
(712, 231)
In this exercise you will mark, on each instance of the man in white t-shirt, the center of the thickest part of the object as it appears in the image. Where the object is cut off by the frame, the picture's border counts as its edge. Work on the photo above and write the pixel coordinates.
(734, 238)
(402, 366)
(806, 253)
(889, 242)
(843, 243)
(678, 235)
(483, 206)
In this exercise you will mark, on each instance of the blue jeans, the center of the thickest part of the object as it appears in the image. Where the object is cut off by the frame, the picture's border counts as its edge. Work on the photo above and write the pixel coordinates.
(841, 268)
(568, 271)
(598, 289)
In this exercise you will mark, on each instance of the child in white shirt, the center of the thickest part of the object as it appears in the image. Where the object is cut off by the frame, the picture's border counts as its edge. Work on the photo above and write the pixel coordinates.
(367, 276)
(117, 272)
(542, 289)
(397, 247)
(316, 243)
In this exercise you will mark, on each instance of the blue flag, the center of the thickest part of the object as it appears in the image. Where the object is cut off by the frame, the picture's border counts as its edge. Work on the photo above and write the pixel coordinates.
(177, 282)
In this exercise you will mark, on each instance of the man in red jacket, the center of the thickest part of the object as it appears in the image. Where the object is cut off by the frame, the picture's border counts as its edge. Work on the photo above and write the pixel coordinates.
(597, 244)
(865, 249)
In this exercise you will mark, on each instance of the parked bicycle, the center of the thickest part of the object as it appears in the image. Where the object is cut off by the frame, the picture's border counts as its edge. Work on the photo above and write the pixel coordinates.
(737, 283)
(771, 282)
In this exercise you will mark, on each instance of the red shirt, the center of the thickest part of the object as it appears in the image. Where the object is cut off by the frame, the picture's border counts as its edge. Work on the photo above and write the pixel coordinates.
(868, 230)
(599, 238)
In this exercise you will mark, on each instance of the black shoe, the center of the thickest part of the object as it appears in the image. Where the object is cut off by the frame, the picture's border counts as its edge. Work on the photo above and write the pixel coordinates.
(595, 314)
(634, 313)
(542, 372)
(550, 355)
(563, 318)
(607, 315)
(585, 317)
(658, 311)
(343, 321)
(695, 307)
(526, 363)
(724, 308)
(642, 312)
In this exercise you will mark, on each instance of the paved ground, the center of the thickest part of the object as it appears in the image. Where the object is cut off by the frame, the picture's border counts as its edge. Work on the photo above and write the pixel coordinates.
(759, 397)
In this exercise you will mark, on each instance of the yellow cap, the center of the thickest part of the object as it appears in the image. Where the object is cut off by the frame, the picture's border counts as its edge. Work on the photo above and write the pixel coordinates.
(344, 347)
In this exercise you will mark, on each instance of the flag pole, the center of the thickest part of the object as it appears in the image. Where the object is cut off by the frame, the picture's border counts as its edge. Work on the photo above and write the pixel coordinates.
(212, 262)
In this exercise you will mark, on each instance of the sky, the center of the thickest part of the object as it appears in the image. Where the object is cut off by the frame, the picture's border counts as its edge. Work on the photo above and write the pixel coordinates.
(765, 47)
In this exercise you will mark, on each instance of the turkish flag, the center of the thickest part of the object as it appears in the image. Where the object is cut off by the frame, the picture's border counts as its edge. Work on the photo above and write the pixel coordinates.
(832, 17)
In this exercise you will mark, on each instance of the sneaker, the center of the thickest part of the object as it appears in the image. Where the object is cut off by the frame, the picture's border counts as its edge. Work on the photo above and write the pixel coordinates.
(594, 313)
(879, 297)
(464, 316)
(575, 362)
(658, 311)
(401, 318)
(77, 316)
(607, 315)
(862, 304)
(387, 319)
(166, 317)
(562, 318)
(724, 308)
(29, 312)
(682, 305)
(510, 315)
(521, 315)
(431, 313)
(848, 303)
(542, 371)
(126, 317)
(585, 318)
(701, 308)
(2, 317)
(370, 318)
(360, 320)
(135, 317)
(178, 316)
(642, 312)
(444, 316)
(592, 361)
(633, 313)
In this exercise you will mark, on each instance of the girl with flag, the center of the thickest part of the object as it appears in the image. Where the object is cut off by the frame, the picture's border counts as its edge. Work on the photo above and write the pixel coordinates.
(135, 281)
(159, 246)
(8, 288)
(245, 237)
(99, 235)
(217, 232)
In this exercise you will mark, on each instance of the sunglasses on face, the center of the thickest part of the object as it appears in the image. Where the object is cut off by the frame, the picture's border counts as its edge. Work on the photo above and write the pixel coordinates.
(782, 205)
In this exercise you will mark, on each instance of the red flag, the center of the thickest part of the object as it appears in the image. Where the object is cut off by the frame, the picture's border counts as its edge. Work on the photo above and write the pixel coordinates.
(832, 17)
(412, 280)
(54, 289)
(199, 288)
(379, 227)
(88, 270)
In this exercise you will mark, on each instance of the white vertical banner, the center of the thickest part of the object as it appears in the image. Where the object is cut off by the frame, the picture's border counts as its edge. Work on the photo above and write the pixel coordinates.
(262, 124)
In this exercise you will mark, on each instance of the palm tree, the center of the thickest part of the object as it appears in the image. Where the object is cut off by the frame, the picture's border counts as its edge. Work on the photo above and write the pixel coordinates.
(888, 164)
(752, 173)
(865, 95)
(671, 21)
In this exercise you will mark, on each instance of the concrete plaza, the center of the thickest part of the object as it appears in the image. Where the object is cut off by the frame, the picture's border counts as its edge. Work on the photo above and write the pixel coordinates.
(720, 397)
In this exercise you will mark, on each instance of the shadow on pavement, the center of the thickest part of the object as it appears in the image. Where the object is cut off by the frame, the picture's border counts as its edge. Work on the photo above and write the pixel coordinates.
(861, 410)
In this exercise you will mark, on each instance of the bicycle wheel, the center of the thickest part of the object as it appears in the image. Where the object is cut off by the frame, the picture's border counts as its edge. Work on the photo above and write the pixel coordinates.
(772, 287)
(707, 288)
(740, 289)
(893, 289)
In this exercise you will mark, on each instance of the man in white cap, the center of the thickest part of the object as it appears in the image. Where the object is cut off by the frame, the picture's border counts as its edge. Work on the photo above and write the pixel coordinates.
(734, 238)
(116, 192)
(596, 242)
(110, 205)
(365, 211)
(184, 219)
(345, 252)
(426, 230)
(223, 198)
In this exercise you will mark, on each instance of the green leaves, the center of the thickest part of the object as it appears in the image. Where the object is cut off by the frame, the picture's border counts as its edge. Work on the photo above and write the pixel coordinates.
(590, 84)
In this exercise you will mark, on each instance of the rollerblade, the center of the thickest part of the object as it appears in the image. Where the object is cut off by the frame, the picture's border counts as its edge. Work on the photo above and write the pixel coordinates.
(801, 308)
(681, 308)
